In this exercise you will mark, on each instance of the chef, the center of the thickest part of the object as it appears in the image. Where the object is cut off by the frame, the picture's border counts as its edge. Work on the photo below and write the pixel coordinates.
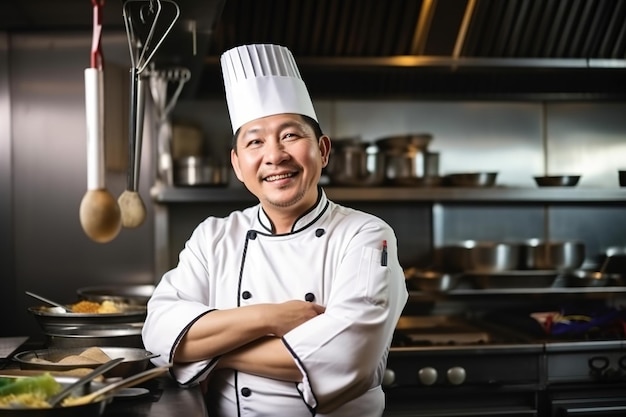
(286, 308)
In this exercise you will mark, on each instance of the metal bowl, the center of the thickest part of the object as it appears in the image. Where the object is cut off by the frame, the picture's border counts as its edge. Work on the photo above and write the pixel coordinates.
(480, 256)
(84, 329)
(585, 278)
(403, 142)
(121, 294)
(430, 280)
(557, 255)
(52, 318)
(135, 360)
(471, 179)
(557, 180)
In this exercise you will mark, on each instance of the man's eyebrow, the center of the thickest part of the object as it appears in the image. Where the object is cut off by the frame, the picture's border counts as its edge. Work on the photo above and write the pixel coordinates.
(253, 131)
(291, 123)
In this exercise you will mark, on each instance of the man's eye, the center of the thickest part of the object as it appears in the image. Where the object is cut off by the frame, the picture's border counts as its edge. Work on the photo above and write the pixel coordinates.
(290, 136)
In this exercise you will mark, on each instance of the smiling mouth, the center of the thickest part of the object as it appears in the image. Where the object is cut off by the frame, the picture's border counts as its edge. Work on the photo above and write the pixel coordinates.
(273, 178)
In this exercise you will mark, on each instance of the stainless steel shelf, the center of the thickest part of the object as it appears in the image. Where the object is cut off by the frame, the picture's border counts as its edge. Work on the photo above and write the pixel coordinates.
(166, 195)
(522, 291)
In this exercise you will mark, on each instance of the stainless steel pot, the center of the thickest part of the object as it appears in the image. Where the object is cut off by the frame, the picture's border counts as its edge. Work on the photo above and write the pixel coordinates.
(430, 280)
(552, 255)
(480, 256)
(406, 158)
(200, 171)
(355, 163)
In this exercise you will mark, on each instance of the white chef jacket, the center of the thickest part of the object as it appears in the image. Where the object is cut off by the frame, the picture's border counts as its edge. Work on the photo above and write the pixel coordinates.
(334, 257)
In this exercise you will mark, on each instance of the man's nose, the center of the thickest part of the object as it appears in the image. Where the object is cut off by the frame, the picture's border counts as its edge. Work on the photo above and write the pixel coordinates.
(275, 152)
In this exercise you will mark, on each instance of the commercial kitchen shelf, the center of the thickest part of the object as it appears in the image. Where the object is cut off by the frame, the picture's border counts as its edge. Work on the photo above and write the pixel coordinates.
(523, 291)
(161, 194)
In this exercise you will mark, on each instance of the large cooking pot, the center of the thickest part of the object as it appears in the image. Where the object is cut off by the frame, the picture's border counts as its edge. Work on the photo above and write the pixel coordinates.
(552, 255)
(355, 163)
(406, 158)
(63, 329)
(480, 256)
(199, 171)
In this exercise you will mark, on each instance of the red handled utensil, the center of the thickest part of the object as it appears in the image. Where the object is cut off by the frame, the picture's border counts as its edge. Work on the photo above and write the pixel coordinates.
(99, 213)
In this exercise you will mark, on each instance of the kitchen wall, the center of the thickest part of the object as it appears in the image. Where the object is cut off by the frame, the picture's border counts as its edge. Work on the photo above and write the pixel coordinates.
(44, 176)
(516, 139)
(43, 167)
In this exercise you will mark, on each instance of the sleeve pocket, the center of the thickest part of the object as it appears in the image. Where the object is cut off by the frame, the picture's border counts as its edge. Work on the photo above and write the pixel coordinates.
(376, 276)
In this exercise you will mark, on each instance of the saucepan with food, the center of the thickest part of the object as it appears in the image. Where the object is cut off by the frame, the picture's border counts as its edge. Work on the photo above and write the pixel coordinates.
(89, 323)
(121, 294)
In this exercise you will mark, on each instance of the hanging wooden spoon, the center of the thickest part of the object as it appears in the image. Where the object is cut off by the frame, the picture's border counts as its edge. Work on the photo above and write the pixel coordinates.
(99, 213)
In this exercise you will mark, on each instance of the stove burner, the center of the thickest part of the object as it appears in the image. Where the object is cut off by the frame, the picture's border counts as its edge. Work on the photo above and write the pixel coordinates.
(438, 331)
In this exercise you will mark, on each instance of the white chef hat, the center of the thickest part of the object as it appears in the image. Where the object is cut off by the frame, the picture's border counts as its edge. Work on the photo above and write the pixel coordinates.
(262, 80)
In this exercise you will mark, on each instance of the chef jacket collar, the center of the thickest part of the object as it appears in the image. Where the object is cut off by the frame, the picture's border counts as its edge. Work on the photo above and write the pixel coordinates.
(306, 219)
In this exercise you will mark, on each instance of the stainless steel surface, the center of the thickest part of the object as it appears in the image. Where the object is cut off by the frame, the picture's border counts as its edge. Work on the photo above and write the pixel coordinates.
(430, 280)
(585, 278)
(472, 196)
(552, 255)
(479, 256)
(355, 163)
(7, 243)
(121, 293)
(83, 329)
(47, 106)
(513, 279)
(200, 171)
(405, 157)
(406, 141)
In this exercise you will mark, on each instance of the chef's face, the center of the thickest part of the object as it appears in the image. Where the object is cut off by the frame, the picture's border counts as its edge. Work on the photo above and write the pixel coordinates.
(280, 159)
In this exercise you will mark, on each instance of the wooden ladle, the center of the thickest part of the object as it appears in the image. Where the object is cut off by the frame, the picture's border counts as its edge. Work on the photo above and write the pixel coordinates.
(99, 213)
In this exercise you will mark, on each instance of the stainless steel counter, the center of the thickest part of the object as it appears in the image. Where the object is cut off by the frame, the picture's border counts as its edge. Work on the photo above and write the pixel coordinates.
(166, 399)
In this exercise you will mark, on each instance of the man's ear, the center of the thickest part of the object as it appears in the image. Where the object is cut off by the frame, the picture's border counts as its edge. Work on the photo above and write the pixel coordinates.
(324, 144)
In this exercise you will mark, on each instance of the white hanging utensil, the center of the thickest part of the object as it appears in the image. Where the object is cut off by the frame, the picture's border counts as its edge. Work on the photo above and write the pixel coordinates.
(99, 213)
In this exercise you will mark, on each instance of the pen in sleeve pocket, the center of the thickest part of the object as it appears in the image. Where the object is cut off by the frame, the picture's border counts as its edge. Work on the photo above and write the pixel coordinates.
(383, 255)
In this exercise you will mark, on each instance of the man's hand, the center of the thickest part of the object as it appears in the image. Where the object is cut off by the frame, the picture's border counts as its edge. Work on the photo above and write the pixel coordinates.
(289, 315)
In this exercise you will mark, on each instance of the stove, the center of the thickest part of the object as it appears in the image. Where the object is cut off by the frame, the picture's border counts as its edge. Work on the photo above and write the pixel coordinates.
(505, 366)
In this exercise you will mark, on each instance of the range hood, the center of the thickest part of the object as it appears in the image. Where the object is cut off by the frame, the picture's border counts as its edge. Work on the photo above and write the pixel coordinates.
(555, 49)
(545, 49)
(185, 45)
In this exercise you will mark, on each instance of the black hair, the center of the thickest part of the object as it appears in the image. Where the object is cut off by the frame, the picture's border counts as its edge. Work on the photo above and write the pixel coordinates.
(317, 129)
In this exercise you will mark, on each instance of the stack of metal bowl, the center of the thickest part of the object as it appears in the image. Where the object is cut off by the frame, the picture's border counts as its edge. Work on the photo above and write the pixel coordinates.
(121, 328)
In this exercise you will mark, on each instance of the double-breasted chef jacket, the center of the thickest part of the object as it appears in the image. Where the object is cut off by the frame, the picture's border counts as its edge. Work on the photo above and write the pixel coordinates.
(333, 256)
